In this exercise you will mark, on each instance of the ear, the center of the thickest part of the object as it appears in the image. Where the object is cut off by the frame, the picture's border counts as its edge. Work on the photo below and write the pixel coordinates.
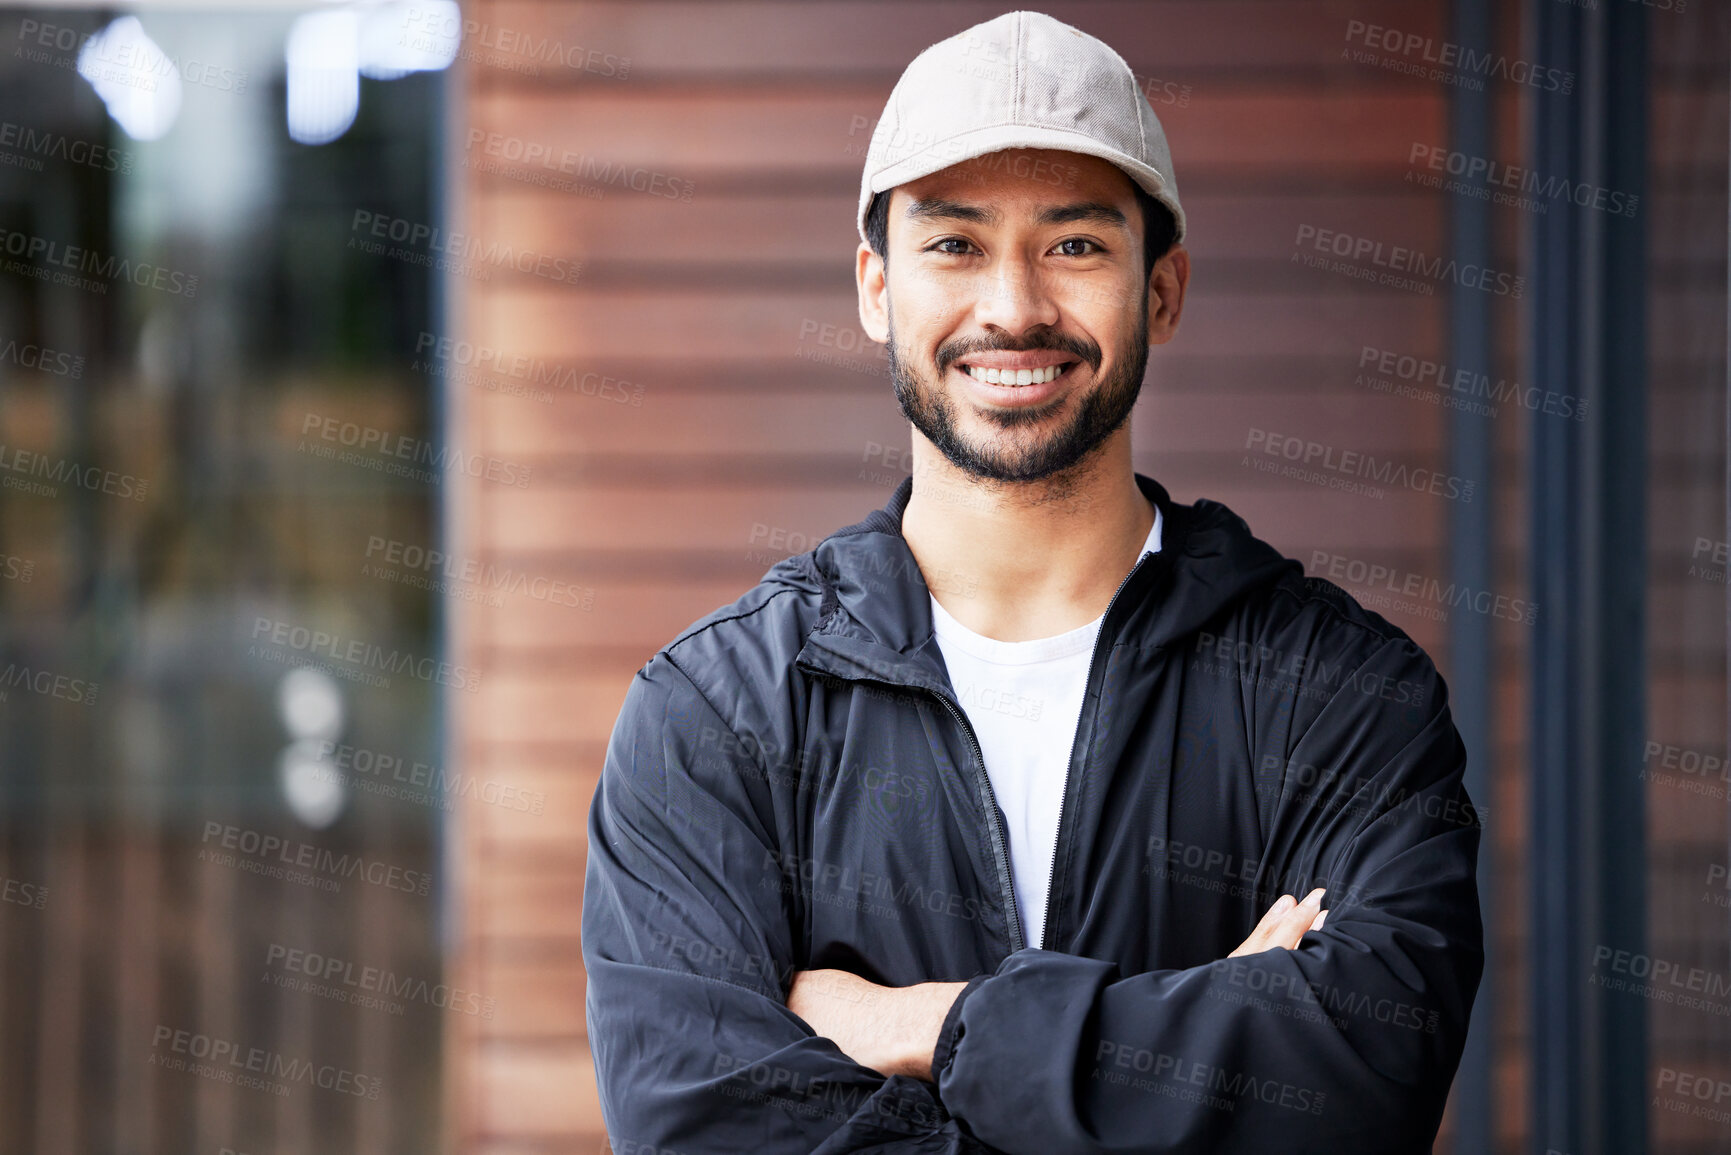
(874, 314)
(1167, 281)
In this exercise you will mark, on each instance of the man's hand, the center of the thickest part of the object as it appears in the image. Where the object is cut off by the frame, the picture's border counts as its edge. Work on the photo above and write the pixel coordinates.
(892, 1030)
(1284, 924)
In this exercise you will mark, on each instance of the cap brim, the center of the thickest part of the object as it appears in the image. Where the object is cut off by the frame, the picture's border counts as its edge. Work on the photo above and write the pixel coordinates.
(995, 138)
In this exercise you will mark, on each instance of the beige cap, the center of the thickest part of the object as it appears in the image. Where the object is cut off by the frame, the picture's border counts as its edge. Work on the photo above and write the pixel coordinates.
(1021, 80)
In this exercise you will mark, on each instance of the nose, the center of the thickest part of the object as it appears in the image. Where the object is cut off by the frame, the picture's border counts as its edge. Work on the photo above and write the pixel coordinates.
(1013, 296)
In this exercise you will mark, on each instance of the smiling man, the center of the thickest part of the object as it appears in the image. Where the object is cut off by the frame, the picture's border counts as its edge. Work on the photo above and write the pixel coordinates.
(982, 825)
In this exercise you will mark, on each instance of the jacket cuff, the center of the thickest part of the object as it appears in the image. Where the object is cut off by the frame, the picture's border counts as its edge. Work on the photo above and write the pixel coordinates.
(951, 1032)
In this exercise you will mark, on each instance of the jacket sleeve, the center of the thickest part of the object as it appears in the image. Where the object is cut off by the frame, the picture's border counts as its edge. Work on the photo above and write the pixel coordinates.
(1347, 1043)
(689, 944)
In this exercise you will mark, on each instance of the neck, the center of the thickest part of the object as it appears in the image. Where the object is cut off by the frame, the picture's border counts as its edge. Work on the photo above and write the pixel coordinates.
(1023, 560)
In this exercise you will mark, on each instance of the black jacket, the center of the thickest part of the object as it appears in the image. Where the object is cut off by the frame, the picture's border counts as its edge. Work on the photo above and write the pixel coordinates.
(792, 784)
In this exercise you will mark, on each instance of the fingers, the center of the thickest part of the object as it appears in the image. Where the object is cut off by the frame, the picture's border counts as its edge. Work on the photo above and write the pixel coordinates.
(1259, 938)
(1285, 924)
(1293, 924)
(1282, 906)
(1272, 919)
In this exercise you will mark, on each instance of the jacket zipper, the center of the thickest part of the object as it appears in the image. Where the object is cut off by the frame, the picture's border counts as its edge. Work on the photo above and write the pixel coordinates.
(1000, 845)
(1064, 798)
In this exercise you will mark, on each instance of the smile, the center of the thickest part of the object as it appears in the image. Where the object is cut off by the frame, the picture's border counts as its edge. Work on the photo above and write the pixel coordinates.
(1015, 376)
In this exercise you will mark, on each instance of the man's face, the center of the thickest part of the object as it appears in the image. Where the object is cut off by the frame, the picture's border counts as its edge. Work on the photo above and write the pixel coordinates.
(1024, 267)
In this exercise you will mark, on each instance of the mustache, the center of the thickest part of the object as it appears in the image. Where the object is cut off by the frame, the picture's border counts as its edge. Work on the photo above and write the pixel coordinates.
(951, 351)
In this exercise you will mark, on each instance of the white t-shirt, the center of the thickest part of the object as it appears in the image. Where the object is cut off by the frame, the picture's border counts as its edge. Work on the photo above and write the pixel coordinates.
(1024, 700)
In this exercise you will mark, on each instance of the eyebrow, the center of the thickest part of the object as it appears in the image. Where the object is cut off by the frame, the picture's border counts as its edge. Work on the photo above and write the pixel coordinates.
(938, 208)
(1094, 211)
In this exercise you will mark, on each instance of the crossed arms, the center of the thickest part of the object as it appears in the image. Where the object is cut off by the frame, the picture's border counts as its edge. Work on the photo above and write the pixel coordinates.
(1346, 1038)
(895, 1030)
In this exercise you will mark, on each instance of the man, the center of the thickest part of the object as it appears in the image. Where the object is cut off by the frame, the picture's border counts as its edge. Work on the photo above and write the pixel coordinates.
(957, 832)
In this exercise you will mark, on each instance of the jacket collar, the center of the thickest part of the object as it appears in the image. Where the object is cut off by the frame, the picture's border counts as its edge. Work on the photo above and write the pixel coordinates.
(876, 620)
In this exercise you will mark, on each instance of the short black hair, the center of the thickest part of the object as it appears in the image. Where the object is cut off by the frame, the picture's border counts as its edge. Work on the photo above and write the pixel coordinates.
(1159, 227)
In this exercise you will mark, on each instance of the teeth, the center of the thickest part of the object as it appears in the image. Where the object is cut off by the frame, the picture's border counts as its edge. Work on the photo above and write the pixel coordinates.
(1014, 376)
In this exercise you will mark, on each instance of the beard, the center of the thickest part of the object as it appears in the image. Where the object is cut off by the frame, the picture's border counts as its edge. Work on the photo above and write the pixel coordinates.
(1095, 417)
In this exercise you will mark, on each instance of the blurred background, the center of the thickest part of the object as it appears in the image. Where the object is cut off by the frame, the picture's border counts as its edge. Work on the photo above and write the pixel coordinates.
(382, 384)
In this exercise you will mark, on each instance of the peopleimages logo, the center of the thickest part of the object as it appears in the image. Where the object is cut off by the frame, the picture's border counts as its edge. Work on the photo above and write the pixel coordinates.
(117, 59)
(1349, 469)
(365, 657)
(1456, 388)
(31, 894)
(1718, 553)
(435, 354)
(1175, 1076)
(279, 857)
(433, 247)
(381, 445)
(37, 473)
(1387, 579)
(582, 166)
(32, 143)
(1658, 758)
(367, 769)
(1294, 671)
(903, 140)
(46, 683)
(852, 889)
(430, 29)
(367, 985)
(1662, 980)
(230, 1062)
(1684, 1086)
(1440, 160)
(1398, 259)
(1425, 56)
(416, 565)
(66, 261)
(43, 360)
(1342, 794)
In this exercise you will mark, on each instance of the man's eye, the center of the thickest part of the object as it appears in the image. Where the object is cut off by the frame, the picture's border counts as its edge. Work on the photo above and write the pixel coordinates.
(1065, 247)
(939, 246)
